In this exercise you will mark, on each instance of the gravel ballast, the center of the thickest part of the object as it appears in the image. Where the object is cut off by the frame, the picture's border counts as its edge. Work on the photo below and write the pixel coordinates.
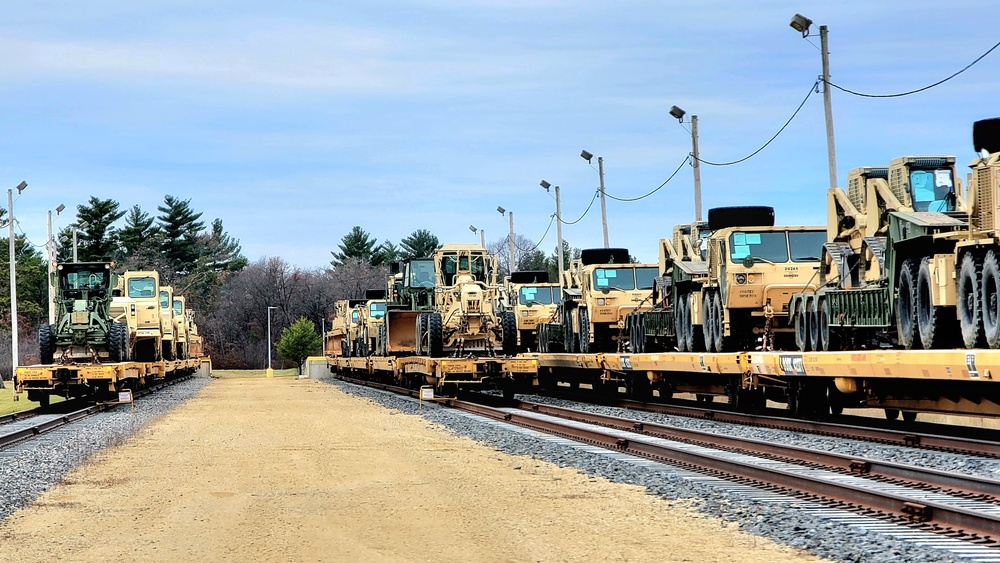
(30, 468)
(776, 520)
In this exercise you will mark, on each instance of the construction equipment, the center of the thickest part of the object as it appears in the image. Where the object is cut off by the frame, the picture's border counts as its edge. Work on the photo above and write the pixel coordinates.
(533, 300)
(598, 291)
(896, 242)
(465, 316)
(85, 331)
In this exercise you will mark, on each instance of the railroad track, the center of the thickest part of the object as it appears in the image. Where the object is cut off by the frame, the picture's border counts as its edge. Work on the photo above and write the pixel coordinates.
(18, 427)
(925, 500)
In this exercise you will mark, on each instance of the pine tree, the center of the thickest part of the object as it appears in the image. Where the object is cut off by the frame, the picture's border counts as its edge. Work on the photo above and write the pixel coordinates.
(180, 227)
(420, 244)
(97, 239)
(138, 238)
(386, 253)
(355, 244)
(299, 341)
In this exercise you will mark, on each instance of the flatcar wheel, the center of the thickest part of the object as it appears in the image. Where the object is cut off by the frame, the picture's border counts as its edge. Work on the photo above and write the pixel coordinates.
(906, 308)
(990, 292)
(932, 321)
(969, 301)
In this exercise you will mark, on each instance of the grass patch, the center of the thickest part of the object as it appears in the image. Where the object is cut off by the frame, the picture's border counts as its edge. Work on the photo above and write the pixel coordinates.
(252, 373)
(8, 405)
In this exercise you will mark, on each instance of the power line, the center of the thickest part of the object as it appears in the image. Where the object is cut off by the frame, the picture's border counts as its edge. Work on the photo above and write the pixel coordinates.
(580, 218)
(685, 161)
(769, 141)
(938, 83)
(545, 234)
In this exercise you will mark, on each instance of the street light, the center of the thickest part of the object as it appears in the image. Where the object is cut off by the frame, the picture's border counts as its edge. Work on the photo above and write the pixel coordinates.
(76, 228)
(13, 286)
(678, 114)
(50, 247)
(510, 238)
(547, 185)
(801, 24)
(482, 234)
(270, 372)
(604, 208)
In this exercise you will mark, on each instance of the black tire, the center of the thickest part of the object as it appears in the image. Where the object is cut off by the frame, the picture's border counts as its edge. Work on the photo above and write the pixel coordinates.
(345, 348)
(906, 306)
(722, 344)
(707, 321)
(509, 333)
(180, 352)
(421, 334)
(435, 342)
(802, 327)
(383, 339)
(168, 349)
(812, 316)
(569, 337)
(543, 338)
(990, 291)
(46, 343)
(118, 343)
(827, 339)
(970, 312)
(933, 322)
(584, 319)
(638, 337)
(682, 321)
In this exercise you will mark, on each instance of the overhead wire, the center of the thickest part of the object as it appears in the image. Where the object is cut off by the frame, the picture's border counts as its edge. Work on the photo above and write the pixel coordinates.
(585, 211)
(627, 199)
(812, 89)
(928, 87)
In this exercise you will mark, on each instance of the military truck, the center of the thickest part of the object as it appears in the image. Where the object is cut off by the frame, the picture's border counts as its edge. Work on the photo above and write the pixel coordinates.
(367, 317)
(84, 330)
(167, 326)
(340, 339)
(139, 307)
(465, 318)
(180, 321)
(409, 293)
(598, 291)
(897, 240)
(533, 300)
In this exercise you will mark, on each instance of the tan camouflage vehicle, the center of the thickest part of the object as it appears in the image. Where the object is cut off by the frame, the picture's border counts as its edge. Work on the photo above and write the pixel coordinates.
(533, 300)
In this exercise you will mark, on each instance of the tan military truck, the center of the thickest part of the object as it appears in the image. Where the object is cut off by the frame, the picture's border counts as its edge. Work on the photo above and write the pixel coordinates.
(370, 314)
(181, 340)
(533, 300)
(138, 305)
(598, 291)
(466, 318)
(169, 351)
(340, 339)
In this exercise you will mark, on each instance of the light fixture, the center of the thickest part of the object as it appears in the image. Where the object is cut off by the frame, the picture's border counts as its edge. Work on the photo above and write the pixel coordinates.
(677, 113)
(473, 228)
(545, 185)
(586, 155)
(801, 24)
(60, 209)
(501, 210)
(21, 186)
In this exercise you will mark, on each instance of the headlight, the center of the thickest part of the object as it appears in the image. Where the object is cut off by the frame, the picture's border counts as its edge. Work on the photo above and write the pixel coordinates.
(524, 313)
(741, 278)
(601, 301)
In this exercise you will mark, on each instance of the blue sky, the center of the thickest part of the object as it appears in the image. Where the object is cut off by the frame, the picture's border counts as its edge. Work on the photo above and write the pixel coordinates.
(294, 121)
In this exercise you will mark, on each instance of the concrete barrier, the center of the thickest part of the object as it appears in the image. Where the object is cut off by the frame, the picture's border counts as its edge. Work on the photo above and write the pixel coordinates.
(315, 368)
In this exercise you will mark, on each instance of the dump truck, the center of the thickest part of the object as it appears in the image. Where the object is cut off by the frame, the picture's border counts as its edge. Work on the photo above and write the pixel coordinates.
(533, 300)
(598, 291)
(84, 331)
(896, 242)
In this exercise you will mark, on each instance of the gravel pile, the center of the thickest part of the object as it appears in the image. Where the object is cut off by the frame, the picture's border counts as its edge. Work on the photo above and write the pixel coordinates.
(790, 527)
(28, 469)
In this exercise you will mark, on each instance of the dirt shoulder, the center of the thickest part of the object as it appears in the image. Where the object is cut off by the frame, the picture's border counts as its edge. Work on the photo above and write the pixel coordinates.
(296, 470)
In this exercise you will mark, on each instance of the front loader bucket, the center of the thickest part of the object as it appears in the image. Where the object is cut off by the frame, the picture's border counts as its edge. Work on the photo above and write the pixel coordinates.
(402, 327)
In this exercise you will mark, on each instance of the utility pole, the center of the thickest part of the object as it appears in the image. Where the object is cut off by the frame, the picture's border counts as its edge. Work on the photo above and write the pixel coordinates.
(604, 207)
(559, 232)
(13, 289)
(697, 168)
(49, 251)
(831, 151)
(510, 242)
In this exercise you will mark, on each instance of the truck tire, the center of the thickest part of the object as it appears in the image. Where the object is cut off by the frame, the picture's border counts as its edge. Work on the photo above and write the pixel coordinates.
(168, 349)
(990, 291)
(584, 320)
(421, 330)
(46, 343)
(802, 327)
(543, 338)
(970, 312)
(569, 337)
(813, 316)
(722, 344)
(435, 344)
(827, 338)
(118, 342)
(906, 306)
(682, 323)
(708, 321)
(932, 321)
(509, 333)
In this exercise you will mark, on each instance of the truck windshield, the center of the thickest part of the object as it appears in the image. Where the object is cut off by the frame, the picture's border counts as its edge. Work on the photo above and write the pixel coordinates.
(614, 278)
(644, 277)
(142, 287)
(178, 307)
(85, 279)
(932, 190)
(769, 246)
(376, 310)
(806, 246)
(421, 273)
(539, 295)
(164, 300)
